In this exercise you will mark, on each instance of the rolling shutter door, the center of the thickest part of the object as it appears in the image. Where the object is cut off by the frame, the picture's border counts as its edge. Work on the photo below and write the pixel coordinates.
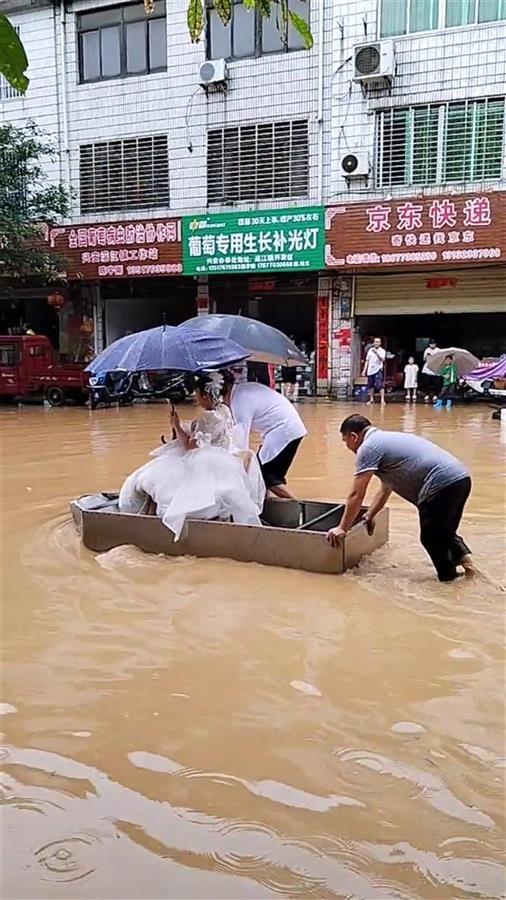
(481, 290)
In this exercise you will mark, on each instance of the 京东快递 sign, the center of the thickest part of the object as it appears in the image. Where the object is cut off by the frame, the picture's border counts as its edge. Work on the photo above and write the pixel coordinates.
(279, 240)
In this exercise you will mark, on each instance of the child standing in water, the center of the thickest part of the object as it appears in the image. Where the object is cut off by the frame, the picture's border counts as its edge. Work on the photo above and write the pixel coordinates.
(411, 379)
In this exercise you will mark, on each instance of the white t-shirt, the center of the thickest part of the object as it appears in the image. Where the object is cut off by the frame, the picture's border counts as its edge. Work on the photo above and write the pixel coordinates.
(427, 353)
(374, 360)
(256, 407)
(410, 375)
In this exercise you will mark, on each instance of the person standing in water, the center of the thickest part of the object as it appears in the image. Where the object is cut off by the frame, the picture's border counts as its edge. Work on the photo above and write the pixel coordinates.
(422, 473)
(411, 379)
(431, 382)
(374, 369)
(450, 378)
(256, 407)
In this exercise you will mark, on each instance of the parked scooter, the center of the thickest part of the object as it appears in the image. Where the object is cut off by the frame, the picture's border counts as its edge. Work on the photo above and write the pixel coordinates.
(110, 387)
(124, 387)
(174, 387)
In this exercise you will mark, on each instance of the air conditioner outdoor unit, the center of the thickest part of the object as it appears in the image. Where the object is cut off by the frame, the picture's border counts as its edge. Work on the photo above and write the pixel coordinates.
(374, 62)
(355, 164)
(213, 71)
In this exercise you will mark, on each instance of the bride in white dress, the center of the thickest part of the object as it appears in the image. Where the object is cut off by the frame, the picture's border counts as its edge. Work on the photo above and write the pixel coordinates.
(203, 473)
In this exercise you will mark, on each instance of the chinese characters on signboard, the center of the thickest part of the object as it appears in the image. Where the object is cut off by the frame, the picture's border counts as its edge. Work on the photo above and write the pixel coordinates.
(119, 249)
(265, 241)
(432, 230)
(322, 331)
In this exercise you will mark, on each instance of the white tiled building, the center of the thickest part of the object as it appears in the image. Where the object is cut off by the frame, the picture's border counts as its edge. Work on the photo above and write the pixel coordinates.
(274, 88)
(278, 134)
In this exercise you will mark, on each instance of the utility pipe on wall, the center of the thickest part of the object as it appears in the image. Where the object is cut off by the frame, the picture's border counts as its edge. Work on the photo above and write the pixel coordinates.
(64, 97)
(321, 32)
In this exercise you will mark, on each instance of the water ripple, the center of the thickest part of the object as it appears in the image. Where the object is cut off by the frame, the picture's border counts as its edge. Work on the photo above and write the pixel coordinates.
(68, 859)
(433, 790)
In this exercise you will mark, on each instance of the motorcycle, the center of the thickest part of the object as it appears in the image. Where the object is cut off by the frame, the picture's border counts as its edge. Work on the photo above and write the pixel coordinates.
(110, 387)
(174, 387)
(124, 387)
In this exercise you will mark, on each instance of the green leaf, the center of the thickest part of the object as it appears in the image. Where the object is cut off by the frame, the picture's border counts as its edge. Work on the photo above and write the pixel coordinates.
(303, 28)
(264, 6)
(250, 4)
(13, 61)
(195, 19)
(224, 10)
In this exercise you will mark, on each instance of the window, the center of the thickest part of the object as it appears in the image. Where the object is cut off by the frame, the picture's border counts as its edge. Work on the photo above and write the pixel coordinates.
(14, 193)
(250, 34)
(258, 162)
(37, 351)
(440, 143)
(408, 16)
(122, 40)
(9, 355)
(127, 174)
(7, 92)
(474, 12)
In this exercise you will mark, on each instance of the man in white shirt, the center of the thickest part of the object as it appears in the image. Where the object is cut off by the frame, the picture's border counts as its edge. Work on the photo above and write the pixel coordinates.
(373, 368)
(256, 407)
(431, 381)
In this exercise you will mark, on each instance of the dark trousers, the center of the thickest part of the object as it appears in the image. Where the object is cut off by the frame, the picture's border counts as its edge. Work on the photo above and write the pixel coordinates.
(449, 391)
(432, 384)
(439, 519)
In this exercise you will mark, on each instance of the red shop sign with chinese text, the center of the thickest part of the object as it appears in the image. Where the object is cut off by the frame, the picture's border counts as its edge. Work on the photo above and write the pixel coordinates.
(451, 230)
(131, 249)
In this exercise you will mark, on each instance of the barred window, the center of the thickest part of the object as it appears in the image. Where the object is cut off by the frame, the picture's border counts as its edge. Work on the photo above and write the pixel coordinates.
(14, 190)
(122, 40)
(7, 92)
(440, 143)
(127, 174)
(258, 162)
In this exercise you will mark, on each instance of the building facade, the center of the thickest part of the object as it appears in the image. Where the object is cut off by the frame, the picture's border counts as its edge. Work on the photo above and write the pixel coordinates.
(149, 152)
(433, 137)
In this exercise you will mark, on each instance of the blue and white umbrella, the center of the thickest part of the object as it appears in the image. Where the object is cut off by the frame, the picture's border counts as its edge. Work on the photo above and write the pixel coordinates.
(168, 348)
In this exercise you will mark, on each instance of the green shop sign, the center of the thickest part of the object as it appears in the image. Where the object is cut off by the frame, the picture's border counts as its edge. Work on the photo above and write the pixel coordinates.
(276, 240)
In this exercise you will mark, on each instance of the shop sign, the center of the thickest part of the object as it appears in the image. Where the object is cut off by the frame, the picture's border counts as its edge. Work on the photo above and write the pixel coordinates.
(278, 240)
(450, 230)
(130, 249)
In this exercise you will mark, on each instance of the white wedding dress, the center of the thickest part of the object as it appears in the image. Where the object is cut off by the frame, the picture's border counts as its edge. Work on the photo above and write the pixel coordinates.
(216, 480)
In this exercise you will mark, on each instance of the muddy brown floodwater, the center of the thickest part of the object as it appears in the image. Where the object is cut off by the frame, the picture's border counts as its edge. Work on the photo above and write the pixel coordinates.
(204, 728)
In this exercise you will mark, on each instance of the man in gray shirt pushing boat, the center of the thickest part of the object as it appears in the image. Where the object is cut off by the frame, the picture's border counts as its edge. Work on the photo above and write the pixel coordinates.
(430, 478)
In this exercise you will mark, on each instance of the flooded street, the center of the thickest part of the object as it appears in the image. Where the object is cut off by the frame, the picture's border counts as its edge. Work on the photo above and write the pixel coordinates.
(209, 729)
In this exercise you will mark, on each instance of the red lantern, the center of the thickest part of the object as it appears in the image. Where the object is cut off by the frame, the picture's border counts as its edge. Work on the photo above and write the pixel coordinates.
(57, 300)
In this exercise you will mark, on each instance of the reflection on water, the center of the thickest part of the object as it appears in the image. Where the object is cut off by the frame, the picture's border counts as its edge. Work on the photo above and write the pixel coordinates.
(205, 728)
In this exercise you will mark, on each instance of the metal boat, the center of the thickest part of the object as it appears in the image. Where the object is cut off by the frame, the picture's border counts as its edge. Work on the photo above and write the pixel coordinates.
(292, 534)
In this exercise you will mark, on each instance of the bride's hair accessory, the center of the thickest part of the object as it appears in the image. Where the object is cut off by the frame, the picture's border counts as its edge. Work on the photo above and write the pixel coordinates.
(212, 384)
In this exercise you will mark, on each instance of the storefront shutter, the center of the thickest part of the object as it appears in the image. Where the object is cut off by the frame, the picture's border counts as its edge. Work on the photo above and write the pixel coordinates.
(457, 291)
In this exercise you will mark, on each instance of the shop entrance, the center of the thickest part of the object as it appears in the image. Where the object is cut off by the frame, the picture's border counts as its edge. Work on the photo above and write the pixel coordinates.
(30, 309)
(283, 301)
(484, 334)
(142, 303)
